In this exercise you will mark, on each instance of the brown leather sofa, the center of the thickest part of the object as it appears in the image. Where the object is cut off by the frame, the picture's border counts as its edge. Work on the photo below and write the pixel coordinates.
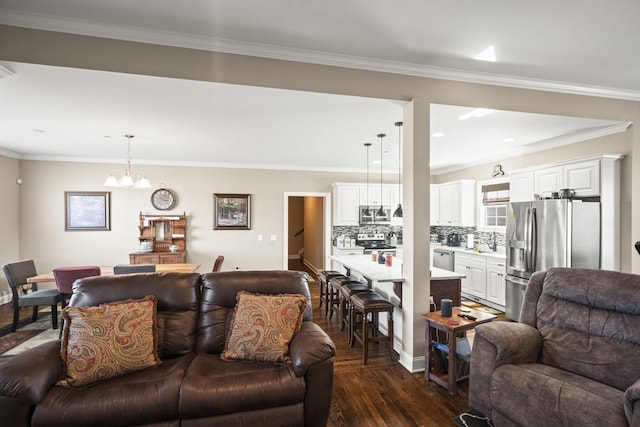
(192, 386)
(571, 361)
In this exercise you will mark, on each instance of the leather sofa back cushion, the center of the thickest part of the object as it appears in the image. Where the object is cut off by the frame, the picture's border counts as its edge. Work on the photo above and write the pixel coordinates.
(219, 291)
(178, 296)
(590, 324)
(107, 341)
(263, 326)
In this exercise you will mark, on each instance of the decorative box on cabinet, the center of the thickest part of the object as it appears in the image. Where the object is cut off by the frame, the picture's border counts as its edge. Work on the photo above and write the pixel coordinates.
(162, 232)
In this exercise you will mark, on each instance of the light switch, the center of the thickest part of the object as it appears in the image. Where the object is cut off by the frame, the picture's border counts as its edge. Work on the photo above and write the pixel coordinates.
(259, 237)
(274, 237)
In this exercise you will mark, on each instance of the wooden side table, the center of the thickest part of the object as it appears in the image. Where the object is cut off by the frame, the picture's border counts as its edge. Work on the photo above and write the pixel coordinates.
(453, 326)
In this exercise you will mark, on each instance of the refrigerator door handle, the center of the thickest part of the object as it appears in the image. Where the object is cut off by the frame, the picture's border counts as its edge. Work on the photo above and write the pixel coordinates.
(527, 240)
(534, 240)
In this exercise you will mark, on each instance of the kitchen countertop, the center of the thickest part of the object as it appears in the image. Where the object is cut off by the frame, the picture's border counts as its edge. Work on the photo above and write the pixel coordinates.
(381, 273)
(500, 254)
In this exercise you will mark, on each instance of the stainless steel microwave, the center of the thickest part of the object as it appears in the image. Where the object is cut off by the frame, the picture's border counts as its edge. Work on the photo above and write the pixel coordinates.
(373, 216)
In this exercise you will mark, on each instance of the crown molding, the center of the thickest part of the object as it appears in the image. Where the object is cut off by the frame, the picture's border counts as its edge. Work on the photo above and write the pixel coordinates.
(540, 146)
(87, 28)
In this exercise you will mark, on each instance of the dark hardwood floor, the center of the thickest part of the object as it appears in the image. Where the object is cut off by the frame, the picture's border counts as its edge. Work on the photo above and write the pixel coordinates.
(381, 393)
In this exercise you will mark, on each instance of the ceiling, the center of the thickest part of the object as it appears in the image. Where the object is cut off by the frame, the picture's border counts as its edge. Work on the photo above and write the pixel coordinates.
(81, 115)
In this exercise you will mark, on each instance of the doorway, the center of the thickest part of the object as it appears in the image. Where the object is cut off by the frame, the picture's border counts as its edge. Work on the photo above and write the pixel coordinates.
(307, 229)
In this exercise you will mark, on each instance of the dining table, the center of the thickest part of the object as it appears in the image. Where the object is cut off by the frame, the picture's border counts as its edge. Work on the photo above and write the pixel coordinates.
(108, 270)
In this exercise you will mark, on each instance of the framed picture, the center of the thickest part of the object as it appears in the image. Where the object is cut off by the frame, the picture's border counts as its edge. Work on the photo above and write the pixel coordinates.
(87, 211)
(231, 211)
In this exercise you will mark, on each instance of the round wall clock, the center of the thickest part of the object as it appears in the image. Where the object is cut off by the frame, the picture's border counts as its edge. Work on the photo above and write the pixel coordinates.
(163, 199)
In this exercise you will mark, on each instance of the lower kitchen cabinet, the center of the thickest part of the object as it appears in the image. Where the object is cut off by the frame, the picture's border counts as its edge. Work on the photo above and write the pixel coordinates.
(474, 268)
(496, 291)
(485, 281)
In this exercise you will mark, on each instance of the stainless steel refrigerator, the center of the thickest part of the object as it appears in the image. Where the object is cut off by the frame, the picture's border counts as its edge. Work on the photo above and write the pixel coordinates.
(548, 233)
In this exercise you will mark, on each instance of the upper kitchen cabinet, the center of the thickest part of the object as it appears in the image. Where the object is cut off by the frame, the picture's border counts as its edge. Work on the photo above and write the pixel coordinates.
(348, 197)
(521, 187)
(346, 201)
(434, 204)
(373, 195)
(457, 203)
(583, 176)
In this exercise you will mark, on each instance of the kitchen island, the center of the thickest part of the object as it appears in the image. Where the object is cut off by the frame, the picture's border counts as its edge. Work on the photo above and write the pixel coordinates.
(387, 282)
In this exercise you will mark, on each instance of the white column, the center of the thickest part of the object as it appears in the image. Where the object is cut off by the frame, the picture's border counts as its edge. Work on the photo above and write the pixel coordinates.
(415, 231)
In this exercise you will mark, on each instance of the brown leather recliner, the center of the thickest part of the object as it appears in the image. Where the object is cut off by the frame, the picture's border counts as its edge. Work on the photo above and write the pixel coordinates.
(192, 386)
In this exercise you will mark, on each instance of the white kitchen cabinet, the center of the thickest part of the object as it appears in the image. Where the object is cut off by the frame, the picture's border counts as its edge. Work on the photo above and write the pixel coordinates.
(548, 180)
(521, 187)
(374, 195)
(434, 204)
(461, 265)
(457, 203)
(496, 286)
(346, 202)
(395, 197)
(474, 267)
(478, 274)
(583, 178)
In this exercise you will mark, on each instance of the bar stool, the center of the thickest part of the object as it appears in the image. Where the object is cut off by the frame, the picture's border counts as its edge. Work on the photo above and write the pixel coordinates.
(333, 292)
(346, 311)
(365, 304)
(324, 276)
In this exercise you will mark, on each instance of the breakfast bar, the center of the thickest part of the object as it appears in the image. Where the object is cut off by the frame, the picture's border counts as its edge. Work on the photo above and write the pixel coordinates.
(387, 281)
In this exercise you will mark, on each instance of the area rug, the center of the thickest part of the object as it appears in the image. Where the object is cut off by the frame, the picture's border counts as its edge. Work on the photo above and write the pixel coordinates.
(13, 339)
(28, 336)
(471, 419)
(489, 310)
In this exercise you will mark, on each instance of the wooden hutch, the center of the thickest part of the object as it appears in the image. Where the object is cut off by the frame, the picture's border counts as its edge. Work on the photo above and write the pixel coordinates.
(162, 231)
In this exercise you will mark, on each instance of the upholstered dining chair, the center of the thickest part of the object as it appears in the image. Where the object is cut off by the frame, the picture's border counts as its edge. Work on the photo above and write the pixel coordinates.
(65, 276)
(134, 268)
(217, 265)
(17, 274)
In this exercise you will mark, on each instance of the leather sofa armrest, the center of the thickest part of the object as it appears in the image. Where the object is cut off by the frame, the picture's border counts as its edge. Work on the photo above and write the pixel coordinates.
(28, 376)
(310, 346)
(632, 404)
(496, 344)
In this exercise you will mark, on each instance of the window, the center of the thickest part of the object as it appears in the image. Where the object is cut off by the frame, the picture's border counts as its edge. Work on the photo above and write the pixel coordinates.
(494, 204)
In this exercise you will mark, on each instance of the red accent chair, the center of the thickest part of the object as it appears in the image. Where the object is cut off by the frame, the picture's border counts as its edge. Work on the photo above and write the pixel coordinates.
(217, 265)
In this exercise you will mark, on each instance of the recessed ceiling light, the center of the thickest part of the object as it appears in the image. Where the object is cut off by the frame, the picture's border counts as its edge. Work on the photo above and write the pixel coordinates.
(508, 140)
(489, 54)
(478, 112)
(437, 134)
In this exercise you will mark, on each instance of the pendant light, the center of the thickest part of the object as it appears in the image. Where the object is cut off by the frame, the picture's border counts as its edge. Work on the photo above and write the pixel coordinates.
(367, 211)
(381, 213)
(126, 178)
(398, 212)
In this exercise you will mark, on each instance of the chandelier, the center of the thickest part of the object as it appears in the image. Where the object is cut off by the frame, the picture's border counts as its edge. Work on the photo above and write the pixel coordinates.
(126, 178)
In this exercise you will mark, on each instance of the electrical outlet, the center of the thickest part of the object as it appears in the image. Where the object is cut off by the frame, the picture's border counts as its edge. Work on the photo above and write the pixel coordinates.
(431, 301)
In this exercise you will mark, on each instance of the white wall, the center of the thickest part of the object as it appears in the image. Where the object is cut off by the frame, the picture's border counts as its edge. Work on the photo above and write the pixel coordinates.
(43, 237)
(9, 219)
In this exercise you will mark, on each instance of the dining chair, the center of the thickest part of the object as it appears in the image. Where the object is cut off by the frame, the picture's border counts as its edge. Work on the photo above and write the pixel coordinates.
(134, 268)
(217, 265)
(17, 274)
(65, 276)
